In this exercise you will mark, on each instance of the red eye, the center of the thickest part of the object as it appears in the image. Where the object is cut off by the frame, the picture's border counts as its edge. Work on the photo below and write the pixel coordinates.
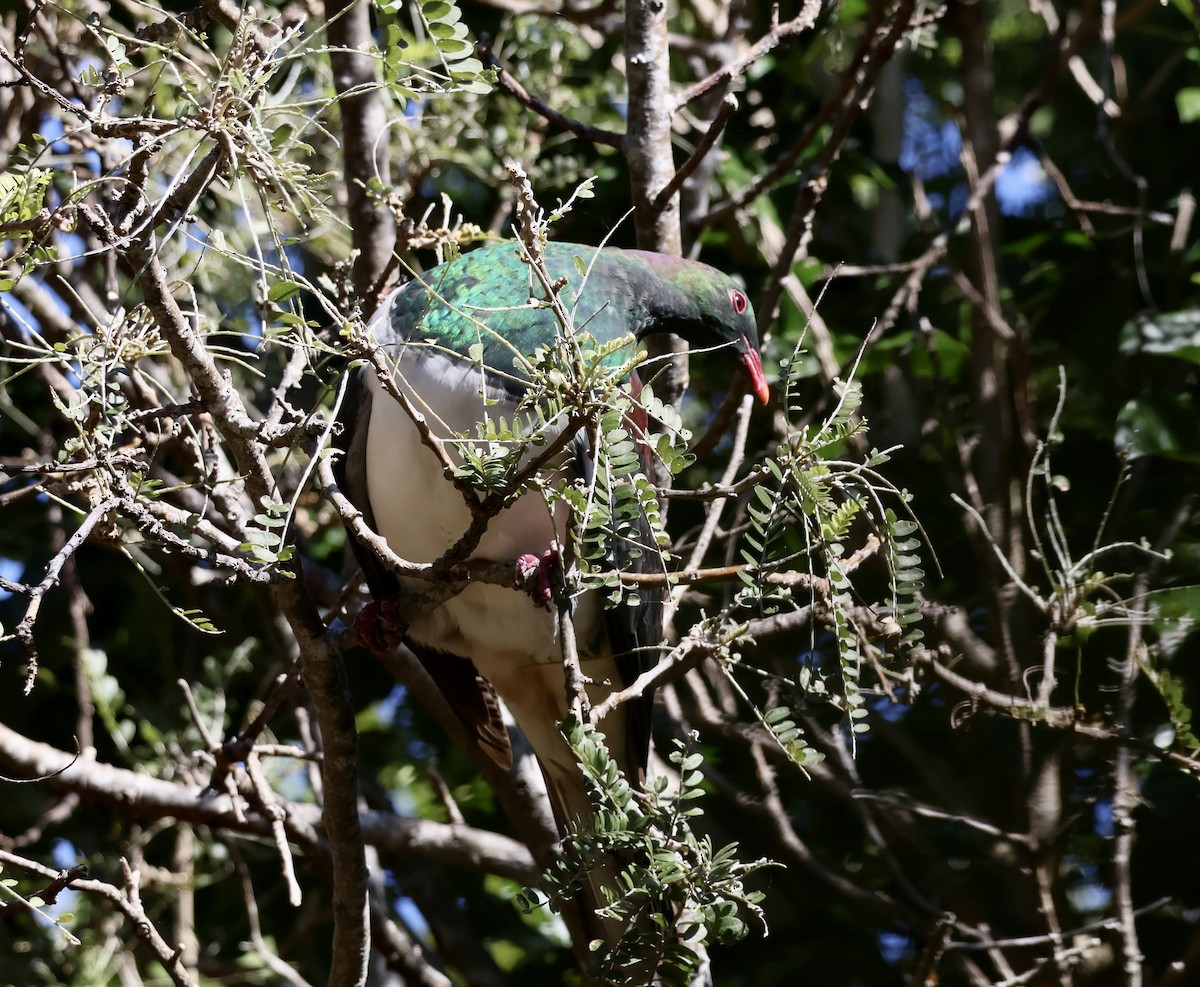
(739, 300)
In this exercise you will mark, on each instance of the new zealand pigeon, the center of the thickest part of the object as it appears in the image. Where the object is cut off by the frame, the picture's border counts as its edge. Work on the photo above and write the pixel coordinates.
(454, 337)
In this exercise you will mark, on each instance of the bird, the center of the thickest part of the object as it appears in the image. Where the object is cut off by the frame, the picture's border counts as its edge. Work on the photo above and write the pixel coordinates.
(458, 340)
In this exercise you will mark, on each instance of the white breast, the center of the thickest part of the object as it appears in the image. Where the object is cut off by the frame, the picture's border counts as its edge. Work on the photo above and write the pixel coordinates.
(498, 628)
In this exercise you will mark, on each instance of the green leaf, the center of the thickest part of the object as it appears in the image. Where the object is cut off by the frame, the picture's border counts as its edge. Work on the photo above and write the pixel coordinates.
(1160, 424)
(1187, 104)
(1173, 606)
(22, 194)
(1175, 334)
(282, 290)
(467, 68)
(451, 46)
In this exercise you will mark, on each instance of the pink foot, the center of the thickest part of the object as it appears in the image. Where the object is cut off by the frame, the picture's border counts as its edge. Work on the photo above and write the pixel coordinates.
(547, 566)
(378, 627)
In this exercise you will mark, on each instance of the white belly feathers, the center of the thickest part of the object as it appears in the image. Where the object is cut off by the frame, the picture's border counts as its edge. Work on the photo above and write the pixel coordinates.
(499, 628)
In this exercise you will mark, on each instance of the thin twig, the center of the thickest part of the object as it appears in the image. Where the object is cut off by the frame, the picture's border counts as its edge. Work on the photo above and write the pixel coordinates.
(706, 144)
(804, 20)
(270, 807)
(508, 83)
(24, 629)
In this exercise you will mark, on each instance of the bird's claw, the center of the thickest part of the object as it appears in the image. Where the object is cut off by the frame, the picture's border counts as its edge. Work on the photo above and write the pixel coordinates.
(379, 627)
(548, 568)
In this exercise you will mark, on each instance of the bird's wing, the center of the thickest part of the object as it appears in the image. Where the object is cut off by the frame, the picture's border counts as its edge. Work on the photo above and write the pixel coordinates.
(469, 694)
(472, 698)
(634, 633)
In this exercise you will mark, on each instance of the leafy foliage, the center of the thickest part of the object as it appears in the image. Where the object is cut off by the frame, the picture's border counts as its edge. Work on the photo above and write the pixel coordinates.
(671, 888)
(24, 221)
(810, 491)
(445, 33)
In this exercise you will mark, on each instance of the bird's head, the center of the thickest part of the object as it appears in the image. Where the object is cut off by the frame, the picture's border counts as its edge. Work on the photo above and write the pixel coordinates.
(747, 342)
(703, 305)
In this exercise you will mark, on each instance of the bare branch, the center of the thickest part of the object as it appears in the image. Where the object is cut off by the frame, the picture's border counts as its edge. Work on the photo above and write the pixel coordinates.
(364, 148)
(140, 795)
(509, 84)
(23, 632)
(706, 143)
(777, 33)
(127, 902)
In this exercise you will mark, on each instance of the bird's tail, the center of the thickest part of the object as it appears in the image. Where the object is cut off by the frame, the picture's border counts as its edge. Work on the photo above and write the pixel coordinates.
(575, 817)
(574, 814)
(581, 910)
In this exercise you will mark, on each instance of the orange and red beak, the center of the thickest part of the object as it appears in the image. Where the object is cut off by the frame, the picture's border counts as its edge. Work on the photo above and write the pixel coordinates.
(754, 370)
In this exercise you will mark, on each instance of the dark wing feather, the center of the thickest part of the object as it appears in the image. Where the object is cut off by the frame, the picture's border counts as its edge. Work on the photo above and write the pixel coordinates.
(634, 633)
(472, 699)
(469, 694)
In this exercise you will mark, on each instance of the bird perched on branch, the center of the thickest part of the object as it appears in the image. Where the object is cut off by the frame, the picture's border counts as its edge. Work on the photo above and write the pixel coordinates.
(462, 341)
